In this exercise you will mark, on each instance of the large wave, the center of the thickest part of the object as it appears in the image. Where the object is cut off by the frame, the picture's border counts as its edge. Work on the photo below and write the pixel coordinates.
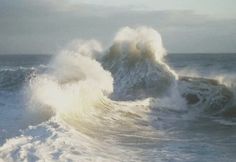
(86, 82)
(113, 95)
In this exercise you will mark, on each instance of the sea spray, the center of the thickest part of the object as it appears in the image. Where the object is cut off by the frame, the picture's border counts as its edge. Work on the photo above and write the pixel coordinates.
(136, 61)
(73, 85)
(89, 121)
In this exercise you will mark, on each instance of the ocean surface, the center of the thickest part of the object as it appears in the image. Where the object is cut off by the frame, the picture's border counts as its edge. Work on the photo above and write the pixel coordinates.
(125, 105)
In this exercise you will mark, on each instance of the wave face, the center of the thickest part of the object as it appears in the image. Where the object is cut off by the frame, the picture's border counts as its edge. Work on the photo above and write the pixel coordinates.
(121, 103)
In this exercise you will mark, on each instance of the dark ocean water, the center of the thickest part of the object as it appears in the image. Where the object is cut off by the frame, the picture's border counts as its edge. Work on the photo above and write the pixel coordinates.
(203, 63)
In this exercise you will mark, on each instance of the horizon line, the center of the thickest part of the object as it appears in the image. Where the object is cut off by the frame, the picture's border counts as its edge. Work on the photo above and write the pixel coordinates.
(167, 53)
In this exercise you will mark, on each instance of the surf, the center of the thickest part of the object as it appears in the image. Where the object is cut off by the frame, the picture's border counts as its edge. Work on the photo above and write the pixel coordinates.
(121, 97)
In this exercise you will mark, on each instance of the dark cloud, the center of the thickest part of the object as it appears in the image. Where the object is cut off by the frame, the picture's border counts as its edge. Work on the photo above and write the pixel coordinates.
(30, 26)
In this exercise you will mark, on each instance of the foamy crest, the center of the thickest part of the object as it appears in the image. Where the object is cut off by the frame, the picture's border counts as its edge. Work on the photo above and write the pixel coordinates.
(74, 85)
(135, 60)
(139, 42)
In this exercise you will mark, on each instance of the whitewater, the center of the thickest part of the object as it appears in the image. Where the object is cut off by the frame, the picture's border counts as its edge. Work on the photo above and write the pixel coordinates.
(129, 101)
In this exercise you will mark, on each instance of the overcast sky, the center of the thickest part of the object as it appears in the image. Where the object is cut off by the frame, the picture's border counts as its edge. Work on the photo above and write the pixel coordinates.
(186, 26)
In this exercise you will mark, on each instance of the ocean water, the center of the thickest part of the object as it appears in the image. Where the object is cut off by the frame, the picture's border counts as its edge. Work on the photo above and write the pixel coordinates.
(128, 102)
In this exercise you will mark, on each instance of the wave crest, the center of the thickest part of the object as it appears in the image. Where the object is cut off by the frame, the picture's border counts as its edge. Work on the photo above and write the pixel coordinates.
(135, 60)
(74, 84)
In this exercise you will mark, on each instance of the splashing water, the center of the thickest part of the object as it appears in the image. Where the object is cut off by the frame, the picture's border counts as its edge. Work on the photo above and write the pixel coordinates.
(121, 103)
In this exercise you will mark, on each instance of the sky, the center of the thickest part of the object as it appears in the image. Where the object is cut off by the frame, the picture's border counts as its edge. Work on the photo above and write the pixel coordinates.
(186, 26)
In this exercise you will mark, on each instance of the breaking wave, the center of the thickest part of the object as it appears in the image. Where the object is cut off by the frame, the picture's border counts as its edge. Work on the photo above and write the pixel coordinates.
(112, 95)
